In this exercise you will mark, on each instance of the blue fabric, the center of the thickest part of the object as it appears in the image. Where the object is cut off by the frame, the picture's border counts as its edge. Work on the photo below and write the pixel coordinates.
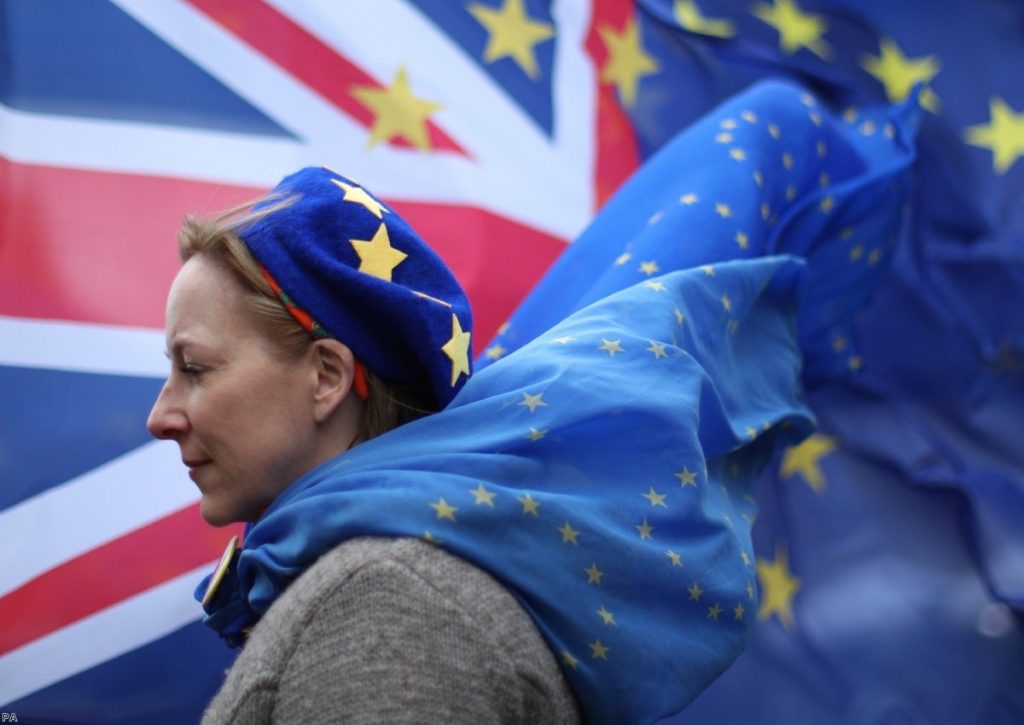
(603, 471)
(827, 192)
(368, 278)
(599, 453)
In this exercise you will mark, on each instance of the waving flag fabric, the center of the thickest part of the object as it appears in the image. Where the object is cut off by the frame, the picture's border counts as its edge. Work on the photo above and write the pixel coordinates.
(885, 543)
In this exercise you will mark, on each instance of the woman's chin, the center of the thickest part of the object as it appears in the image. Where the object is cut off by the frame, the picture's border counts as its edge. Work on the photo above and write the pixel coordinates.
(215, 515)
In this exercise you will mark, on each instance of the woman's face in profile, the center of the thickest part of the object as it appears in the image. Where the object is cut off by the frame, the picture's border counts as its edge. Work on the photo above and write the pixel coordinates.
(240, 412)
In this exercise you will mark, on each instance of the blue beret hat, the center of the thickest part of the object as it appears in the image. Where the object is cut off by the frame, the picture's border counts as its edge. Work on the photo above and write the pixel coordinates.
(367, 279)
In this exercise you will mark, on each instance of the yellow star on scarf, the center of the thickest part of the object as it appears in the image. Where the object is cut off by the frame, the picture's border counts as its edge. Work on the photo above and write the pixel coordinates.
(530, 506)
(611, 347)
(689, 16)
(512, 34)
(778, 587)
(594, 574)
(397, 112)
(1004, 135)
(607, 616)
(658, 349)
(805, 459)
(656, 499)
(377, 257)
(483, 496)
(457, 350)
(359, 195)
(598, 651)
(627, 61)
(898, 73)
(797, 29)
(444, 510)
(532, 401)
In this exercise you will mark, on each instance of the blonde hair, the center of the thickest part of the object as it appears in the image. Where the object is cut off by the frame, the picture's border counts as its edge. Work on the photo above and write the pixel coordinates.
(218, 240)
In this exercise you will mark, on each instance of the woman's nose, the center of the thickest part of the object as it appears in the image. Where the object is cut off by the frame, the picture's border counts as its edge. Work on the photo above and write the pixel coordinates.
(167, 420)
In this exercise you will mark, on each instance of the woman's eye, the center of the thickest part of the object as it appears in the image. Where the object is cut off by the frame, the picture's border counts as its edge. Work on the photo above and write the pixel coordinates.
(190, 369)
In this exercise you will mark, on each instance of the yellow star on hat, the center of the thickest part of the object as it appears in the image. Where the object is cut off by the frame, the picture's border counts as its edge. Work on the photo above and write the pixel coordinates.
(376, 256)
(359, 195)
(457, 350)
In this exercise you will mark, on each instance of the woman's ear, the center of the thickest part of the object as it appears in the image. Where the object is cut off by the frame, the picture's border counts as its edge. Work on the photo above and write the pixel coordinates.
(335, 368)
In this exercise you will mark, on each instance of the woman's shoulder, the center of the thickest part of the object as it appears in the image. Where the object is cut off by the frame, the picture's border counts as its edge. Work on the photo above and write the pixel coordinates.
(399, 628)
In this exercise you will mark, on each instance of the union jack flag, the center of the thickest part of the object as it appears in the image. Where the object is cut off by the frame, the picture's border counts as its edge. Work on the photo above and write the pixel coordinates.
(119, 117)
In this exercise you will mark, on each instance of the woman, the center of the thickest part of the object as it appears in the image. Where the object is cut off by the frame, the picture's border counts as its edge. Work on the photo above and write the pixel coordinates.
(260, 394)
(587, 500)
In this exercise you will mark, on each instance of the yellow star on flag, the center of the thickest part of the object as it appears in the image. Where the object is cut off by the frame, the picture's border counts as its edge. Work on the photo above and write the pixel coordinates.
(689, 16)
(569, 534)
(695, 592)
(714, 610)
(397, 112)
(645, 529)
(598, 651)
(898, 73)
(656, 499)
(738, 612)
(676, 559)
(359, 195)
(649, 268)
(529, 505)
(723, 210)
(608, 617)
(778, 586)
(680, 317)
(686, 477)
(457, 350)
(495, 352)
(444, 510)
(623, 258)
(797, 29)
(805, 459)
(627, 61)
(532, 401)
(483, 496)
(512, 34)
(1004, 135)
(593, 574)
(376, 256)
(654, 285)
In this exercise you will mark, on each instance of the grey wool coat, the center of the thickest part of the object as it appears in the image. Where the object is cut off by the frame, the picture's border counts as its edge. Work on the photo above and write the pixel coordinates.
(396, 631)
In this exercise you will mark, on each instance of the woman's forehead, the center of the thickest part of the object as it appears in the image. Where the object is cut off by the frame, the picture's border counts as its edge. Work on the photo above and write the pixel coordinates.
(205, 301)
